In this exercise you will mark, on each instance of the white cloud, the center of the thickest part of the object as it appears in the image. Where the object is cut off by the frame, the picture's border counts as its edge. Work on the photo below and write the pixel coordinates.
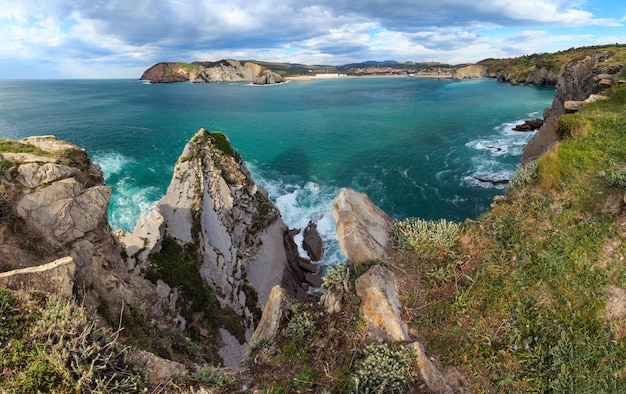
(134, 35)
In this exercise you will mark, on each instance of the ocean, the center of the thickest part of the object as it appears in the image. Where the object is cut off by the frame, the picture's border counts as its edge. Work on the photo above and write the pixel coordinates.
(413, 146)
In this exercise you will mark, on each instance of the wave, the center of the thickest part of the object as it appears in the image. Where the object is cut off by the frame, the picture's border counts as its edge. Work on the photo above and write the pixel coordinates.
(130, 201)
(490, 153)
(300, 202)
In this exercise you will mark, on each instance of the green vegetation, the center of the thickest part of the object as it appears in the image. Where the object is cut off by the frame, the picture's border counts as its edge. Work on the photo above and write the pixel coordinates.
(11, 146)
(301, 324)
(48, 345)
(525, 175)
(214, 376)
(187, 66)
(572, 126)
(526, 311)
(384, 370)
(177, 265)
(553, 62)
(415, 234)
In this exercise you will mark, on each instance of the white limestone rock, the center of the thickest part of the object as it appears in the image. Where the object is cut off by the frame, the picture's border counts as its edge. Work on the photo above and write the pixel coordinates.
(380, 304)
(363, 229)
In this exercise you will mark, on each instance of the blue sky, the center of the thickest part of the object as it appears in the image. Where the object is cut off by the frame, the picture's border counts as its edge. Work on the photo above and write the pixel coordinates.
(121, 38)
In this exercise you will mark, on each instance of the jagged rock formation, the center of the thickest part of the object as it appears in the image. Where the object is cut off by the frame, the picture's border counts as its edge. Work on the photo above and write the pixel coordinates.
(56, 206)
(362, 228)
(214, 227)
(537, 77)
(222, 71)
(577, 82)
(214, 208)
(470, 72)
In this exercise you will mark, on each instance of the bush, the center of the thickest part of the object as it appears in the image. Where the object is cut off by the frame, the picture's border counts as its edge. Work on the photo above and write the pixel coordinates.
(525, 175)
(335, 276)
(214, 376)
(572, 126)
(301, 323)
(383, 370)
(51, 346)
(415, 233)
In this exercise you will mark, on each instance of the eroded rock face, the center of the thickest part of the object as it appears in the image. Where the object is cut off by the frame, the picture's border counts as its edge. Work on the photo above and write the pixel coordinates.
(222, 71)
(213, 206)
(362, 228)
(578, 82)
(470, 72)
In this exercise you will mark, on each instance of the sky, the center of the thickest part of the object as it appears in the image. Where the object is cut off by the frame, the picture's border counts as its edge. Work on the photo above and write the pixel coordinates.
(122, 38)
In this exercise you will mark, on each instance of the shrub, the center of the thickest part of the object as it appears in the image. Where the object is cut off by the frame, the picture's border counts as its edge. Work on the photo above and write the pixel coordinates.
(335, 276)
(616, 178)
(415, 233)
(214, 376)
(49, 345)
(572, 126)
(383, 370)
(525, 175)
(301, 323)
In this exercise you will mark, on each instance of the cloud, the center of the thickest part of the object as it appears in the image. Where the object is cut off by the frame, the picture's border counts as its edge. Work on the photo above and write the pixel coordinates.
(138, 34)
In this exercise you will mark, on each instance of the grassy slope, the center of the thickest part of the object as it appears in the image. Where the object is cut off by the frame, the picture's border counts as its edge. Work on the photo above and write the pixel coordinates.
(525, 65)
(519, 302)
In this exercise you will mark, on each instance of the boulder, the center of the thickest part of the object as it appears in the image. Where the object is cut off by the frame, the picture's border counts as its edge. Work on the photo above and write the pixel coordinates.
(33, 175)
(380, 304)
(65, 211)
(429, 372)
(55, 278)
(312, 242)
(363, 229)
(159, 370)
(274, 313)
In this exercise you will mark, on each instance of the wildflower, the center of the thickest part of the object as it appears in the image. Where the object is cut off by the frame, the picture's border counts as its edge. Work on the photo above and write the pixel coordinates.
(535, 339)
(514, 347)
(527, 347)
(353, 350)
(380, 340)
(489, 343)
(244, 388)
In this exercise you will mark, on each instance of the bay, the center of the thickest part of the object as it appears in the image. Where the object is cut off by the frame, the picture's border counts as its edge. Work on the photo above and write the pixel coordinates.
(413, 146)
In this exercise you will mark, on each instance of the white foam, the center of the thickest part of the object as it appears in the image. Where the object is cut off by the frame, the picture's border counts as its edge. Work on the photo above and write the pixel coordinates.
(301, 202)
(110, 162)
(129, 201)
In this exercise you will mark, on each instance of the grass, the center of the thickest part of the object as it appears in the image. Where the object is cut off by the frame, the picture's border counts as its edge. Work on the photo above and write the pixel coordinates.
(177, 265)
(529, 316)
(48, 345)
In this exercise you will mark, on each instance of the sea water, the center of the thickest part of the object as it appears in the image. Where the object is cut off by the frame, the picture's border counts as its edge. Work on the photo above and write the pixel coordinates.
(413, 146)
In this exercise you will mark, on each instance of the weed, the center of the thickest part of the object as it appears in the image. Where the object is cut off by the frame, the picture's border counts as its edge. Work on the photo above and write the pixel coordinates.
(525, 175)
(214, 376)
(415, 234)
(301, 324)
(572, 126)
(383, 370)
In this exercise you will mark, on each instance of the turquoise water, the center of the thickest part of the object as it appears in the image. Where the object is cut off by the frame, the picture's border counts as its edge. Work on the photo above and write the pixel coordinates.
(411, 145)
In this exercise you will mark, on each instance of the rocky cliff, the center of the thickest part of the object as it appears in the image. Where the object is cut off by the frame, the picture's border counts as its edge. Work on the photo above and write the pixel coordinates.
(218, 224)
(202, 263)
(577, 82)
(470, 72)
(222, 71)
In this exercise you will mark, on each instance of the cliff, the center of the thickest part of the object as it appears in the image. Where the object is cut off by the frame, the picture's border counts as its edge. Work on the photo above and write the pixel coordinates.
(202, 263)
(578, 81)
(222, 71)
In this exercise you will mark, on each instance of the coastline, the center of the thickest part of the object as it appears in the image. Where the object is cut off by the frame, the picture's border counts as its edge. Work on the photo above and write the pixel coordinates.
(344, 76)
